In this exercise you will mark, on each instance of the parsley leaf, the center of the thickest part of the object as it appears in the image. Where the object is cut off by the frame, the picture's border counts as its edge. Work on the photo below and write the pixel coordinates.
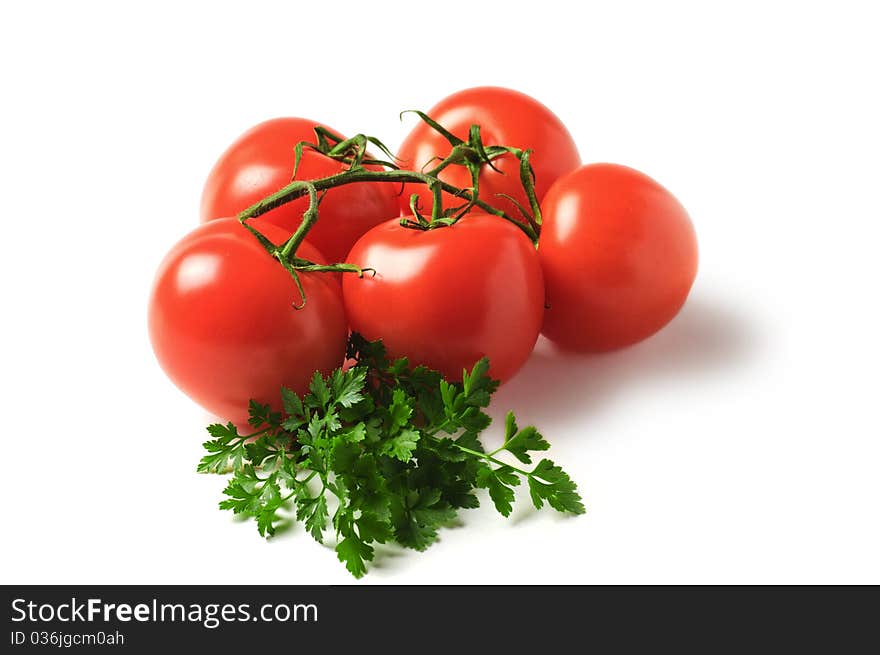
(313, 512)
(499, 482)
(347, 386)
(354, 553)
(402, 446)
(549, 482)
(519, 442)
(320, 393)
(226, 446)
(260, 414)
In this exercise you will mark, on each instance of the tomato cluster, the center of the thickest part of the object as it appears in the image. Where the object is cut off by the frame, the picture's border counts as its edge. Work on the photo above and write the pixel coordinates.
(231, 319)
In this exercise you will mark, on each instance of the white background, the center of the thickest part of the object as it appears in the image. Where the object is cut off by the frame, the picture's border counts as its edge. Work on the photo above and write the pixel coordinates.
(740, 445)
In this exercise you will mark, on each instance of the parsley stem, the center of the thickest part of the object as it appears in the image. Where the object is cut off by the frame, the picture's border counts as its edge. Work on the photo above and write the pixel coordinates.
(439, 428)
(488, 457)
(245, 437)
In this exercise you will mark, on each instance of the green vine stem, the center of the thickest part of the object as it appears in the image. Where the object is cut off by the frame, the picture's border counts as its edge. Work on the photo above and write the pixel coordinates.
(471, 154)
(298, 189)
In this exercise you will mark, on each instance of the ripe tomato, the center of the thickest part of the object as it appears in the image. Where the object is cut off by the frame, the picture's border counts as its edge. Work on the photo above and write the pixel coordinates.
(223, 325)
(449, 296)
(619, 256)
(261, 162)
(505, 117)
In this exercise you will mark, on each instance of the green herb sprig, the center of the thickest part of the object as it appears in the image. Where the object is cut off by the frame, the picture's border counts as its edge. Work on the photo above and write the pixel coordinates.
(379, 452)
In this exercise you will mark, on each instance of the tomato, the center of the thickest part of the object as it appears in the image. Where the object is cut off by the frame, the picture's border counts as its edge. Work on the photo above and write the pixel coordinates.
(619, 256)
(223, 325)
(505, 117)
(261, 162)
(447, 297)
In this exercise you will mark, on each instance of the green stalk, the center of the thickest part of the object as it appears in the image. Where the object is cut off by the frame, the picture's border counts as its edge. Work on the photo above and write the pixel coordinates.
(298, 189)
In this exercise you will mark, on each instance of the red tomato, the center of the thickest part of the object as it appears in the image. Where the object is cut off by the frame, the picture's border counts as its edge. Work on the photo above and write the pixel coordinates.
(506, 118)
(223, 325)
(261, 162)
(449, 296)
(619, 256)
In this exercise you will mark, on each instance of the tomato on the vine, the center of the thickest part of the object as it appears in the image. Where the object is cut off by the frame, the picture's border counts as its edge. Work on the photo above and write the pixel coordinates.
(448, 296)
(505, 117)
(223, 324)
(619, 256)
(261, 162)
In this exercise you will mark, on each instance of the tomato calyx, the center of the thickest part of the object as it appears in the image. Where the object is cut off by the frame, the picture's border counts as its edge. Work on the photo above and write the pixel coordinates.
(472, 154)
(352, 151)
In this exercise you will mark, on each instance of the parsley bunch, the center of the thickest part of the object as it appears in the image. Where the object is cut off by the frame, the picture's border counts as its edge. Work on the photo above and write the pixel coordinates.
(379, 452)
